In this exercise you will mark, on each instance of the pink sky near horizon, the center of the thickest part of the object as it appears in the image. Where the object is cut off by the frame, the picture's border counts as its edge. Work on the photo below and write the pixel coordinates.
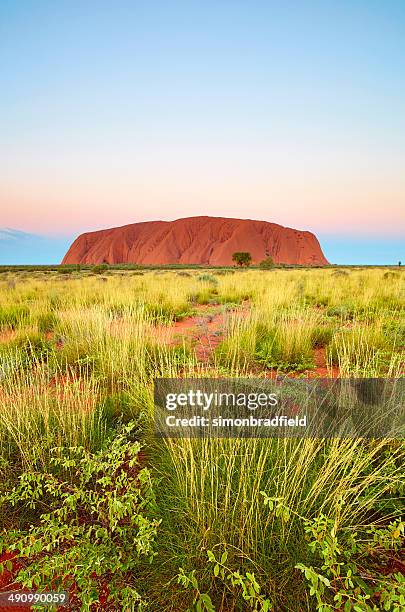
(69, 206)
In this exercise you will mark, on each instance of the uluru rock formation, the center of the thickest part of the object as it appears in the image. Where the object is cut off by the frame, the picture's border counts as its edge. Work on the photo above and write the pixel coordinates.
(195, 240)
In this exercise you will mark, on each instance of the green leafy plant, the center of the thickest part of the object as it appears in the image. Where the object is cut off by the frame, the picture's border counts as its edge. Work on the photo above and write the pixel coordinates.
(352, 573)
(243, 586)
(267, 264)
(100, 268)
(94, 526)
(201, 601)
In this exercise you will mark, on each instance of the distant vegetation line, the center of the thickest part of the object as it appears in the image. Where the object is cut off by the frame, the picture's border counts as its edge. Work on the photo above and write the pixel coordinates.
(69, 268)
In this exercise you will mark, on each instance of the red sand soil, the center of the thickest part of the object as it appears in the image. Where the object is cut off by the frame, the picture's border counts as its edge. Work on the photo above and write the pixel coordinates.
(321, 369)
(205, 330)
(196, 240)
(8, 583)
(6, 335)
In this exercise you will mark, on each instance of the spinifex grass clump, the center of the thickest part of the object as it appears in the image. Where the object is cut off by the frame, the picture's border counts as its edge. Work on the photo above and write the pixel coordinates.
(217, 486)
(12, 317)
(47, 322)
(282, 341)
(40, 411)
(236, 353)
(364, 351)
(287, 344)
(321, 335)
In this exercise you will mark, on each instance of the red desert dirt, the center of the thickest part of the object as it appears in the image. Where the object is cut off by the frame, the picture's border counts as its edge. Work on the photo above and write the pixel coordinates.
(196, 240)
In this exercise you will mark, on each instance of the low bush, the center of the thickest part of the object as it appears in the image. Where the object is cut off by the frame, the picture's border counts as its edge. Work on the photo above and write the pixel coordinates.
(391, 275)
(96, 526)
(234, 296)
(267, 264)
(100, 268)
(65, 269)
(342, 311)
(208, 278)
(359, 572)
(319, 301)
(202, 297)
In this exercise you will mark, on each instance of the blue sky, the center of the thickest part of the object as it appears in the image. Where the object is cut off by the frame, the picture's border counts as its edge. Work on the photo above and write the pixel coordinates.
(23, 248)
(291, 112)
(17, 248)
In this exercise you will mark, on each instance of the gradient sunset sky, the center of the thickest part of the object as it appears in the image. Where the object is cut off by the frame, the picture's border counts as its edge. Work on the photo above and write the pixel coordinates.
(292, 112)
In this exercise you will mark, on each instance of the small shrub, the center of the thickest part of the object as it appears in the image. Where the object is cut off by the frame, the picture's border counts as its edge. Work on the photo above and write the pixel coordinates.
(391, 275)
(319, 301)
(340, 273)
(97, 508)
(342, 311)
(166, 313)
(349, 573)
(267, 264)
(234, 297)
(65, 270)
(99, 268)
(243, 586)
(201, 297)
(224, 272)
(160, 313)
(208, 278)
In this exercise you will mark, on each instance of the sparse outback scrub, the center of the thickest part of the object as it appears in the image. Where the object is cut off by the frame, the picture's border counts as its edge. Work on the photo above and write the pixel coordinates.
(91, 501)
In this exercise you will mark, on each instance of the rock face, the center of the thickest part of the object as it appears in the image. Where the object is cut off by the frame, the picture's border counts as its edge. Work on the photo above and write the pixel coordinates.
(195, 240)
